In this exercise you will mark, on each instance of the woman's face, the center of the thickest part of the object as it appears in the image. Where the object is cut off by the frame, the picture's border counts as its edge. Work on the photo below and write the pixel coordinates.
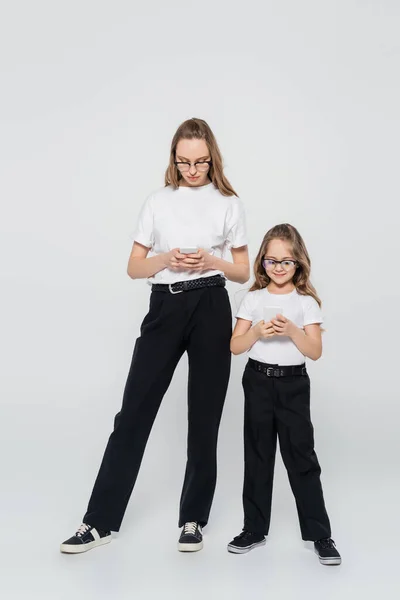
(193, 151)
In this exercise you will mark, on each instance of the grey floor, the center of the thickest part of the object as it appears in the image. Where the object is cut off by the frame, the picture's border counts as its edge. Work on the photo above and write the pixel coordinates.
(46, 488)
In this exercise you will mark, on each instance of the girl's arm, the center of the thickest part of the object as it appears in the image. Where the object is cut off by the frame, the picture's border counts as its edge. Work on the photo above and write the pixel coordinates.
(141, 267)
(308, 341)
(244, 335)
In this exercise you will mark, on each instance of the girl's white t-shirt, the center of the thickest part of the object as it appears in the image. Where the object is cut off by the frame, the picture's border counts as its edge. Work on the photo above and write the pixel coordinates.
(280, 350)
(198, 217)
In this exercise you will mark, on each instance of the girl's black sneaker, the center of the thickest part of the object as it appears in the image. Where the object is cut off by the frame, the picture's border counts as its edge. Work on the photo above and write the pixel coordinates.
(86, 538)
(191, 538)
(246, 541)
(327, 553)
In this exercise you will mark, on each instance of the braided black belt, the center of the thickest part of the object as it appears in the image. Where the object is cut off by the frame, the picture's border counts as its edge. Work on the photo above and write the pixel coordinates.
(276, 370)
(190, 284)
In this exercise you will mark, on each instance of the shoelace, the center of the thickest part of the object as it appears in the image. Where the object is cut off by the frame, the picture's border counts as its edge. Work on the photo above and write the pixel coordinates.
(190, 528)
(244, 534)
(82, 529)
(327, 543)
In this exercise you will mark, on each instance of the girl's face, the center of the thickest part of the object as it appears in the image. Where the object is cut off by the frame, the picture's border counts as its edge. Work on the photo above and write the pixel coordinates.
(193, 151)
(279, 250)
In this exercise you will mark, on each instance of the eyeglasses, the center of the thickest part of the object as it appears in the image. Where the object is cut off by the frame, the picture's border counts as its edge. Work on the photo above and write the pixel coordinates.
(202, 166)
(270, 264)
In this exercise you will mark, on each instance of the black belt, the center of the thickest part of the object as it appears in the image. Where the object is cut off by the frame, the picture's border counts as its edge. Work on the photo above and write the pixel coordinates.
(190, 284)
(276, 370)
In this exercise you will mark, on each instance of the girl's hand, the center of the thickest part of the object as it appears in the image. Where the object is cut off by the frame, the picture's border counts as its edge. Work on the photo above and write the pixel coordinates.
(264, 330)
(200, 261)
(282, 326)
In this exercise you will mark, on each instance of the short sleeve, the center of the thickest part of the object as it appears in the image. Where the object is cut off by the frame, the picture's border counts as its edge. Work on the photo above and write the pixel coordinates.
(246, 308)
(143, 234)
(235, 225)
(311, 311)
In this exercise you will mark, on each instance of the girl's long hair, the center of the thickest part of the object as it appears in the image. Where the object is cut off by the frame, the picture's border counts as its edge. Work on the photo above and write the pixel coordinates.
(199, 130)
(301, 278)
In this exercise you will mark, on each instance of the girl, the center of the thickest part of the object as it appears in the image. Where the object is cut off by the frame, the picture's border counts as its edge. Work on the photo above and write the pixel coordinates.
(277, 390)
(188, 225)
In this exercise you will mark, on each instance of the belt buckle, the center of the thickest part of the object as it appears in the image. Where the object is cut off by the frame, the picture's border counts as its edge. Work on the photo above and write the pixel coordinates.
(172, 291)
(268, 371)
(277, 372)
(303, 370)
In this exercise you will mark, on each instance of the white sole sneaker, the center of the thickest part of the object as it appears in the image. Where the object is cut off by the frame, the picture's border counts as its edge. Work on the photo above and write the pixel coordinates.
(237, 550)
(79, 548)
(329, 561)
(190, 547)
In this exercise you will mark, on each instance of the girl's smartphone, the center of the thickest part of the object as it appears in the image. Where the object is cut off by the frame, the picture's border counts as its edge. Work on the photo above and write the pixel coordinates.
(188, 250)
(270, 312)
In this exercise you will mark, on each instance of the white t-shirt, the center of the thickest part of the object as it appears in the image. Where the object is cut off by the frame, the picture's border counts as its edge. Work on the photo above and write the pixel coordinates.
(280, 350)
(198, 217)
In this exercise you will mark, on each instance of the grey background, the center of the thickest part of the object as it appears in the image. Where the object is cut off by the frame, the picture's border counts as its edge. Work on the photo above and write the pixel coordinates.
(303, 98)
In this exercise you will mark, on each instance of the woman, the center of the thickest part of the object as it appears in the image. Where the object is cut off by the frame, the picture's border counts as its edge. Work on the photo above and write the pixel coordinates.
(188, 225)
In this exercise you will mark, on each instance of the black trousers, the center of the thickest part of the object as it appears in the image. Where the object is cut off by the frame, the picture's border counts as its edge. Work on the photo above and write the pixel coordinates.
(280, 407)
(199, 322)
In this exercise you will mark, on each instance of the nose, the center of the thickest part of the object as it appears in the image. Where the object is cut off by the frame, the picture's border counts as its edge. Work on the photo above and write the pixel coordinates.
(192, 170)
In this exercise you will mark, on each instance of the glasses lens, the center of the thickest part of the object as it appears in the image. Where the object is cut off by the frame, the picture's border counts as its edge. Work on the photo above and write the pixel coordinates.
(202, 166)
(199, 166)
(183, 167)
(268, 264)
(288, 264)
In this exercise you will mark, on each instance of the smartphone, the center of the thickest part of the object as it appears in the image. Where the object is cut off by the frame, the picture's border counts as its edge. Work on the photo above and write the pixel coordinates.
(188, 250)
(270, 312)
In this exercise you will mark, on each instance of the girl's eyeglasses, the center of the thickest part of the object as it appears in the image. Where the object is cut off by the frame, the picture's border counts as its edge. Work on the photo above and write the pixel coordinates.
(201, 166)
(270, 264)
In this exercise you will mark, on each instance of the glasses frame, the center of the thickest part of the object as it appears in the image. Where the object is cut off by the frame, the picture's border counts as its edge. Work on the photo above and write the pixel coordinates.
(264, 260)
(185, 162)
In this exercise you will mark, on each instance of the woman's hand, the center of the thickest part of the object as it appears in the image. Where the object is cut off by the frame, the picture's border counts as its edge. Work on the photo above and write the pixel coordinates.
(282, 326)
(173, 260)
(200, 261)
(264, 330)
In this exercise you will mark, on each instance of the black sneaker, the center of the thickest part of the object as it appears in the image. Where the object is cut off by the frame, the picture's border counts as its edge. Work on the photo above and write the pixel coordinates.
(86, 538)
(246, 541)
(191, 538)
(327, 553)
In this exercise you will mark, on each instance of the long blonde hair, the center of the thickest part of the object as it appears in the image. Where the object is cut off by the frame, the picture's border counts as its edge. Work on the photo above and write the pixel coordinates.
(301, 278)
(200, 130)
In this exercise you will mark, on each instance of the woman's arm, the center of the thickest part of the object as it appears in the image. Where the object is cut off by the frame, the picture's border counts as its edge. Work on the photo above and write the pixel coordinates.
(244, 335)
(141, 267)
(238, 271)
